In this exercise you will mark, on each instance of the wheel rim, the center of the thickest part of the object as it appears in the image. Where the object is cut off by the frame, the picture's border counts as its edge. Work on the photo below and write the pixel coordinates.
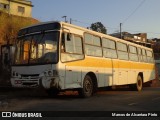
(139, 83)
(88, 87)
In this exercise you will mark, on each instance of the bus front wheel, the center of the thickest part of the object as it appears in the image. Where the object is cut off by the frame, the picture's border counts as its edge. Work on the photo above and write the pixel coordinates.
(87, 89)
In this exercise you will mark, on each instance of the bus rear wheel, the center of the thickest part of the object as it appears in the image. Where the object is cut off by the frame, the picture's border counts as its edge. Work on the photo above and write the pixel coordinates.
(87, 89)
(139, 84)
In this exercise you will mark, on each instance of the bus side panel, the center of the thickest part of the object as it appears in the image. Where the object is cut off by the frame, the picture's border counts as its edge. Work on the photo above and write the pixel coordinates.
(97, 72)
(148, 71)
(72, 77)
(101, 68)
(134, 71)
(124, 68)
(115, 72)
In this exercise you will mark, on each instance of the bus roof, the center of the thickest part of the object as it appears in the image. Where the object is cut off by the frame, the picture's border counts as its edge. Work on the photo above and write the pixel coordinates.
(63, 24)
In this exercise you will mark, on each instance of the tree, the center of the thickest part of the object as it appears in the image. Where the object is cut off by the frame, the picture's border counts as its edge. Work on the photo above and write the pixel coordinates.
(10, 25)
(98, 27)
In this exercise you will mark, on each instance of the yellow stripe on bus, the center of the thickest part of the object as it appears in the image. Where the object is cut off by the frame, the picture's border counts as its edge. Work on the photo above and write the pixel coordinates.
(108, 63)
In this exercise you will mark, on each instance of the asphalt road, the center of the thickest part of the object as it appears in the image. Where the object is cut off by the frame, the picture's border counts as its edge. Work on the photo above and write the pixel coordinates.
(114, 100)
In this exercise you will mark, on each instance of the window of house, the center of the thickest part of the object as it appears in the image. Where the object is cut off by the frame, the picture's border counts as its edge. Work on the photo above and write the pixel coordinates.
(4, 6)
(21, 9)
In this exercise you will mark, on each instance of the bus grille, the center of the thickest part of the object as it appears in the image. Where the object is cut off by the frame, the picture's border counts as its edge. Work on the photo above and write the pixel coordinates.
(30, 80)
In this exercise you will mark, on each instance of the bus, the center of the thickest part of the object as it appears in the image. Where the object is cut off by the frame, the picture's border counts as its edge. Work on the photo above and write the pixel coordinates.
(59, 56)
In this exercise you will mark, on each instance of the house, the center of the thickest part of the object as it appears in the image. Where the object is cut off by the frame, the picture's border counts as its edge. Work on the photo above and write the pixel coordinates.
(17, 7)
(139, 38)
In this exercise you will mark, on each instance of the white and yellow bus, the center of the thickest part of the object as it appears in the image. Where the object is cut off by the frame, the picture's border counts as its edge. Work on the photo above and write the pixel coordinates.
(60, 56)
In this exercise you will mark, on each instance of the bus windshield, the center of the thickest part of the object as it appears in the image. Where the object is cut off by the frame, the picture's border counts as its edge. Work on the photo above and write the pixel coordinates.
(37, 49)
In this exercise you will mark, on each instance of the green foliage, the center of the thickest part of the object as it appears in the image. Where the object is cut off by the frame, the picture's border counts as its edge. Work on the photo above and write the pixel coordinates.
(98, 27)
(10, 25)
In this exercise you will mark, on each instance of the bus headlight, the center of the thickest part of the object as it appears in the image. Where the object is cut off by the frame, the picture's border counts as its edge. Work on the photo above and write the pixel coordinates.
(51, 73)
(45, 73)
(15, 74)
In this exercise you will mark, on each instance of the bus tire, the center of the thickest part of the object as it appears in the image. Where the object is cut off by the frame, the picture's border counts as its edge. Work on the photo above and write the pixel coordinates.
(88, 88)
(139, 84)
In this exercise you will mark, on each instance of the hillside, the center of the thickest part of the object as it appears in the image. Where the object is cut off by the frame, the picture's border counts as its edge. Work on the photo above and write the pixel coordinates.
(10, 25)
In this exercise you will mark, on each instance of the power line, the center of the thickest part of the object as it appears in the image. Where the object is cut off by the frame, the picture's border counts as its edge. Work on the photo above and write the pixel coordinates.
(149, 32)
(109, 28)
(141, 3)
(81, 22)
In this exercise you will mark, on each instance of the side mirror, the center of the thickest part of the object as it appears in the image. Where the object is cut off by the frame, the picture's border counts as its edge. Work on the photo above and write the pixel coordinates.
(68, 37)
(63, 38)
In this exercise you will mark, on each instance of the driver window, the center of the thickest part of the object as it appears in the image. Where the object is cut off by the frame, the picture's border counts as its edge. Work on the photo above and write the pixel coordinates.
(71, 47)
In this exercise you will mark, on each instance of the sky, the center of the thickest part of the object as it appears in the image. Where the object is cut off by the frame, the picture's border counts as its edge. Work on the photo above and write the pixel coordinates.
(136, 16)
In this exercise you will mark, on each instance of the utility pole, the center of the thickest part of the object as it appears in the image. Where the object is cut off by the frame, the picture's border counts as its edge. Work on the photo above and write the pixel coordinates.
(121, 30)
(65, 18)
(70, 20)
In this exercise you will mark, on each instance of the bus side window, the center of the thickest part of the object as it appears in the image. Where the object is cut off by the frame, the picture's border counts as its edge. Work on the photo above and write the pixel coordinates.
(149, 56)
(140, 55)
(133, 53)
(67, 43)
(93, 45)
(109, 48)
(144, 55)
(122, 51)
(71, 47)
